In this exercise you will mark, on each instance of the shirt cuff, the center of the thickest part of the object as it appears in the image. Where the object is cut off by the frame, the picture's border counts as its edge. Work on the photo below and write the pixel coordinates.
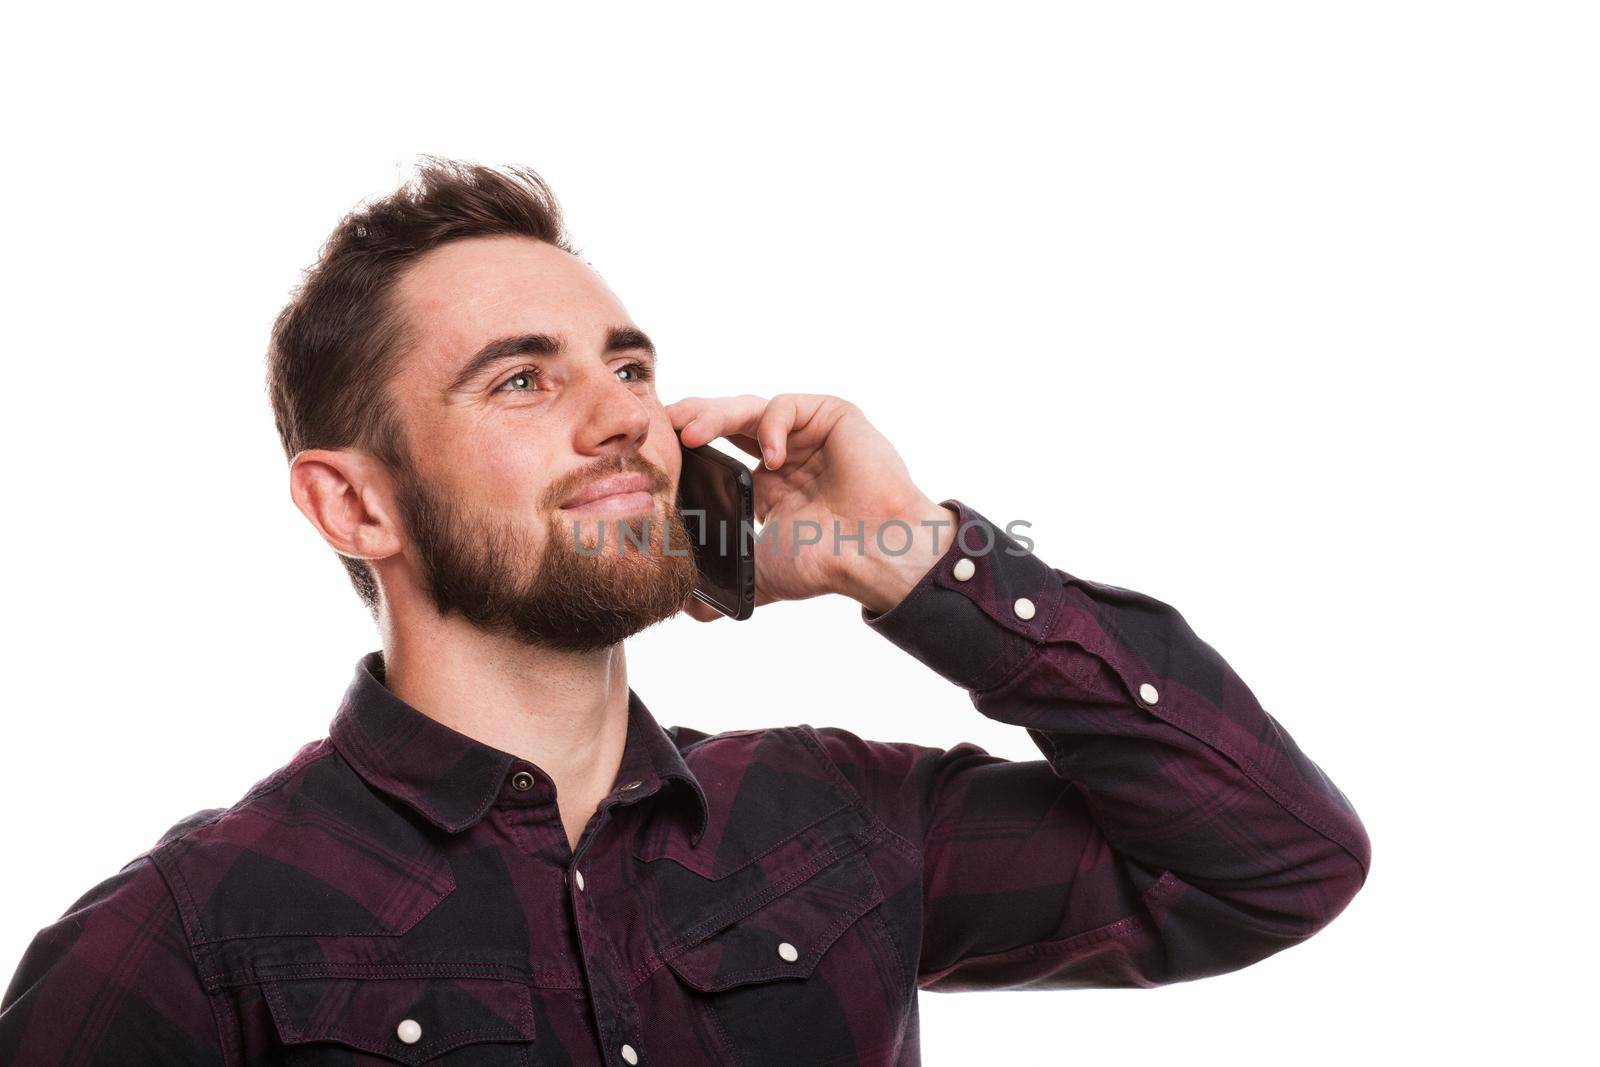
(981, 611)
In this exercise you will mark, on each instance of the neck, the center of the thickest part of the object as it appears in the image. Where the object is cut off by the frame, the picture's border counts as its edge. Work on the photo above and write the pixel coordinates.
(565, 712)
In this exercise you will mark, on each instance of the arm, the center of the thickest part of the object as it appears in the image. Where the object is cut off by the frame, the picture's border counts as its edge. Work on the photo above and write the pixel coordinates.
(111, 982)
(1172, 831)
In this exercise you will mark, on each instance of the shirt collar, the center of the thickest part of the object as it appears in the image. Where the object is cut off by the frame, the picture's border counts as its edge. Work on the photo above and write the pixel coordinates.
(451, 779)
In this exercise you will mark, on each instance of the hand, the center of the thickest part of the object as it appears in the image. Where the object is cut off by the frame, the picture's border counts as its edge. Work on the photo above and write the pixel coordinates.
(823, 463)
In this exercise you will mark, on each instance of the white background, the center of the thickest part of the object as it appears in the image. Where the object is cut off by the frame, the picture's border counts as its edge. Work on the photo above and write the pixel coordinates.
(1281, 313)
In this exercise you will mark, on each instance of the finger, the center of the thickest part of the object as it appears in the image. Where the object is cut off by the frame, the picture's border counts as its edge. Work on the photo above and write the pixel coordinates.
(715, 417)
(744, 443)
(682, 412)
(765, 489)
(772, 431)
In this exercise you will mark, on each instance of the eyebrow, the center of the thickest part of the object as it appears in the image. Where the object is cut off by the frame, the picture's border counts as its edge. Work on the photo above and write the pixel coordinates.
(618, 339)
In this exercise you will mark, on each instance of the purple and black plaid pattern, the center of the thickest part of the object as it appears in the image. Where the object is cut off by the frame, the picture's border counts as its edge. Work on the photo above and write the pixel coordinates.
(400, 893)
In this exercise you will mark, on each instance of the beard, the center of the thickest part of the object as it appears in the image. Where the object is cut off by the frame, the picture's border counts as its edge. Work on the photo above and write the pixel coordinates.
(594, 585)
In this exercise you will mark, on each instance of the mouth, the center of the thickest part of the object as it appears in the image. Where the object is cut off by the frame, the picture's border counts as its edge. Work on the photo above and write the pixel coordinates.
(620, 494)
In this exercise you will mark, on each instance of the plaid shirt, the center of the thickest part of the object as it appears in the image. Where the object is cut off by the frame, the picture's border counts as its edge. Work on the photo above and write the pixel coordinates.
(400, 893)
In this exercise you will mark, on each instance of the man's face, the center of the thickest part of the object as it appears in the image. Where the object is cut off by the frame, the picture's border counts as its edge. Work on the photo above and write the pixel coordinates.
(526, 384)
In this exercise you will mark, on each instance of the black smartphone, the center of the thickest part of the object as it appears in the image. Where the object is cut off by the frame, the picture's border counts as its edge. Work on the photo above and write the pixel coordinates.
(717, 501)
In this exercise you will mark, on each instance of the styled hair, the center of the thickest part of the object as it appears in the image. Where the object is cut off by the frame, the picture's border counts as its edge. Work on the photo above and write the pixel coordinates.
(335, 346)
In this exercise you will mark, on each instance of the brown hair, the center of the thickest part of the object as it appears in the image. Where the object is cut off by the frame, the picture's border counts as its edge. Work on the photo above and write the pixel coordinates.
(335, 345)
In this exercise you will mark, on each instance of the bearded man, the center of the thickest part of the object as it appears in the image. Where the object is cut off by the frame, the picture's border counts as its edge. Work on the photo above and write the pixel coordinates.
(498, 856)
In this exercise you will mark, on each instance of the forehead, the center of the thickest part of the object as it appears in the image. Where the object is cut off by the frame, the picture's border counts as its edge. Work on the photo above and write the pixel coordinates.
(468, 292)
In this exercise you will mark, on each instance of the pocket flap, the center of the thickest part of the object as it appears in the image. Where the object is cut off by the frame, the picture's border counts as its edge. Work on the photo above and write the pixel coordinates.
(802, 922)
(367, 1013)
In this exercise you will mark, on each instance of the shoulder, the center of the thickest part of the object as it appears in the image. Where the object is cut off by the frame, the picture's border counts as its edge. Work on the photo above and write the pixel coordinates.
(140, 888)
(114, 972)
(211, 824)
(134, 898)
(734, 755)
(751, 773)
(310, 849)
(139, 882)
(846, 754)
(816, 768)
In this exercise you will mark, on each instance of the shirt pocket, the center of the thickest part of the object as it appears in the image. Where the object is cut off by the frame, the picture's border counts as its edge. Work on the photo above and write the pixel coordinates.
(811, 976)
(788, 937)
(411, 1020)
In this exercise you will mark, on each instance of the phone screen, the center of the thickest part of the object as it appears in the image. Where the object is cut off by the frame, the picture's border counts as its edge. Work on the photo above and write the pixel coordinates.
(715, 498)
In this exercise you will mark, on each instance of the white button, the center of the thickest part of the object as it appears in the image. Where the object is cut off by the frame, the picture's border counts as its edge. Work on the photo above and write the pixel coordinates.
(409, 1031)
(1023, 607)
(788, 952)
(964, 569)
(1148, 694)
(577, 876)
(629, 1055)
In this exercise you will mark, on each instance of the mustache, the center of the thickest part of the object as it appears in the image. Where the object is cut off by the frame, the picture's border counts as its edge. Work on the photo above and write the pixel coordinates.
(629, 464)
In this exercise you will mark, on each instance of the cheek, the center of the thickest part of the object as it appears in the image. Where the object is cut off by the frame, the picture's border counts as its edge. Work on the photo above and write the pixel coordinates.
(506, 477)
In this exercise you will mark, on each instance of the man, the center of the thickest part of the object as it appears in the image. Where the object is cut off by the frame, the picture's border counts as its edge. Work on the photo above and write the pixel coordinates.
(498, 856)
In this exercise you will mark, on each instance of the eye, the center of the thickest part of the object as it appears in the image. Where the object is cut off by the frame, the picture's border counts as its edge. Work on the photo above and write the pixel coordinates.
(528, 379)
(641, 371)
(525, 380)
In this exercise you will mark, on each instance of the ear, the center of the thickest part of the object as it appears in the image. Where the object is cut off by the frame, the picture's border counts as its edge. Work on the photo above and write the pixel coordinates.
(346, 494)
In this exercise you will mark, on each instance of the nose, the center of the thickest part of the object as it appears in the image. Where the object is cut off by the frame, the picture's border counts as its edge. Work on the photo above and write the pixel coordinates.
(614, 420)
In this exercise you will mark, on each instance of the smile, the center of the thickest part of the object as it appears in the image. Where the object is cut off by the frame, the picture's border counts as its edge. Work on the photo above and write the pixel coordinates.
(619, 494)
(629, 503)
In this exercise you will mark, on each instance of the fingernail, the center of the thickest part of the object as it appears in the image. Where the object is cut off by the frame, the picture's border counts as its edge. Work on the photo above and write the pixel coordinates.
(768, 457)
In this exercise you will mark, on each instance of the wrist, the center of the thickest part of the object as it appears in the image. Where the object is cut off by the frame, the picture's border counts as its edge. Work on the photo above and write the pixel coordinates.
(881, 575)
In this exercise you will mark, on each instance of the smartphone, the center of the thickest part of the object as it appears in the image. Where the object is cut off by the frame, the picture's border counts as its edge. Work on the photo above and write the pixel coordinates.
(717, 501)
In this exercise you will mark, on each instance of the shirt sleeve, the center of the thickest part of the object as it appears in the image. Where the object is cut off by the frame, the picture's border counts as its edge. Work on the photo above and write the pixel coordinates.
(111, 982)
(1173, 829)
